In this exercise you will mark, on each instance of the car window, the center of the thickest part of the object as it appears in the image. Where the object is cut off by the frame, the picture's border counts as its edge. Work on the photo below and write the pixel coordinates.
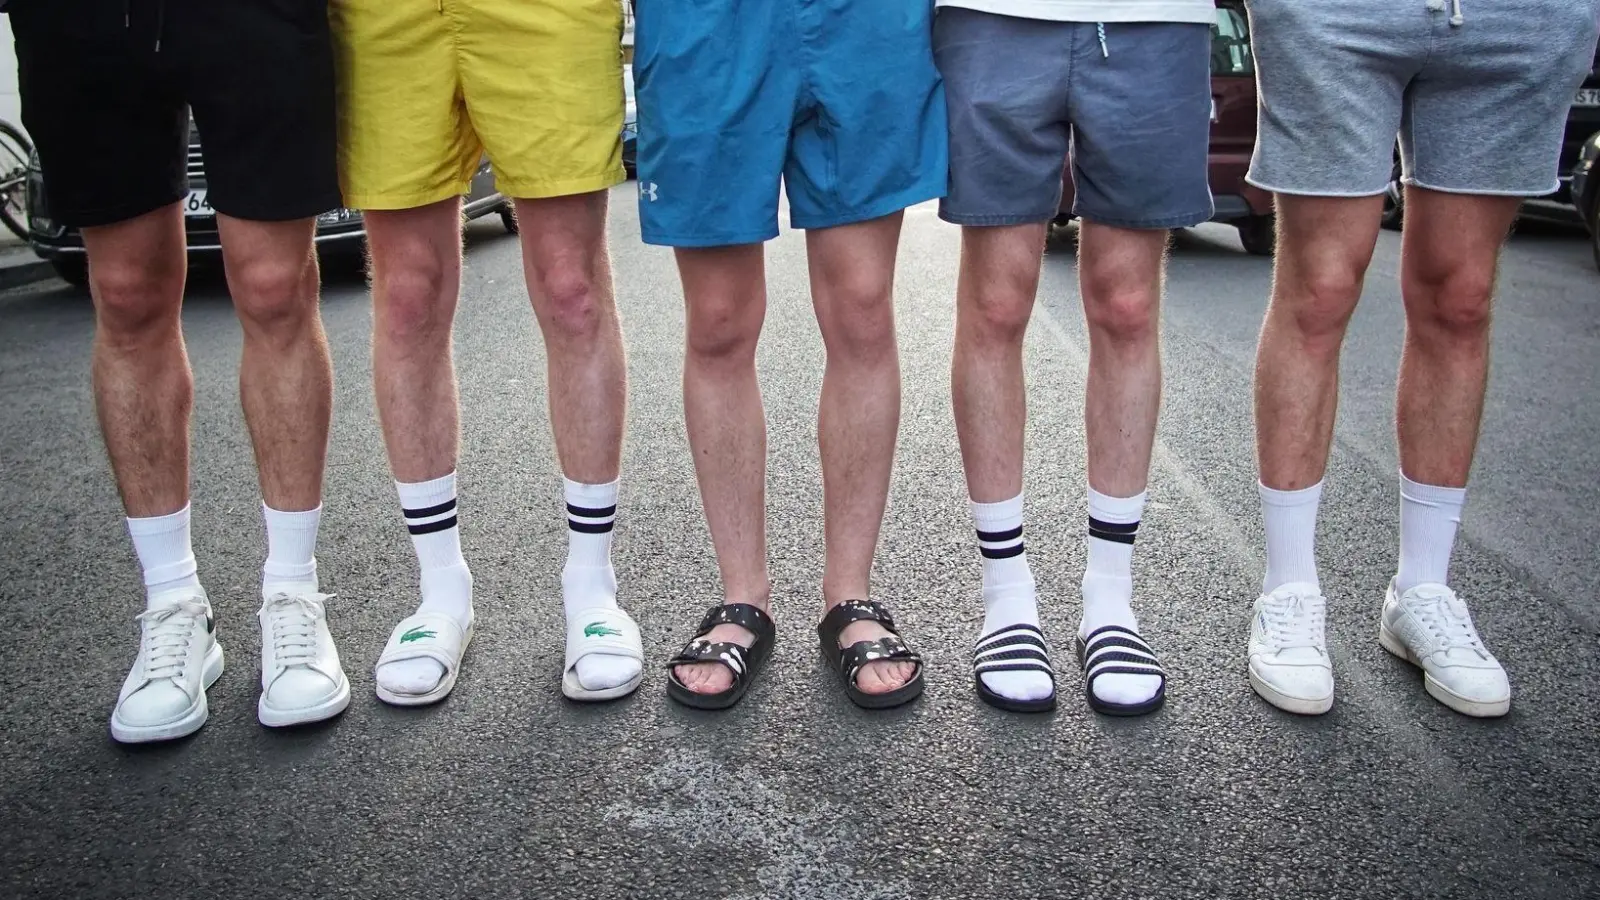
(1230, 43)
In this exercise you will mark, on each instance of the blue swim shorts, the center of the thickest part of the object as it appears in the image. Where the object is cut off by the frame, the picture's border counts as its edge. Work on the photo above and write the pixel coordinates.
(839, 99)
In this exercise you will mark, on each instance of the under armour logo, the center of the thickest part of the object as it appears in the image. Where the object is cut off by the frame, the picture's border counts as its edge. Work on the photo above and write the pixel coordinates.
(648, 190)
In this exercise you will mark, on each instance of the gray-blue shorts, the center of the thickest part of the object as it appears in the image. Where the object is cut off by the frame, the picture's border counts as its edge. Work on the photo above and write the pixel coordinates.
(1477, 91)
(1134, 110)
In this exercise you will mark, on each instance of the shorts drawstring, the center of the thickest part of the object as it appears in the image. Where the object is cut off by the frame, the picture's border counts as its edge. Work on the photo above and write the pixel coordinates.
(1100, 30)
(161, 19)
(1455, 10)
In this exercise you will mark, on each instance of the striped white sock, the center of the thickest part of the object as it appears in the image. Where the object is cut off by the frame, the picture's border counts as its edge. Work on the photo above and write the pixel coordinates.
(429, 508)
(588, 580)
(1108, 588)
(1009, 601)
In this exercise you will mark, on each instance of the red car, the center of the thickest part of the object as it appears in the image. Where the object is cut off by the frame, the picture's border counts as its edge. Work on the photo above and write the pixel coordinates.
(1233, 135)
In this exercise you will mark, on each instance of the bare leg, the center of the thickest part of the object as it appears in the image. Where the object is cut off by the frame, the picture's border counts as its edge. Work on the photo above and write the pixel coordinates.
(1451, 246)
(143, 388)
(285, 374)
(569, 279)
(724, 290)
(416, 281)
(1120, 273)
(994, 300)
(1324, 247)
(852, 289)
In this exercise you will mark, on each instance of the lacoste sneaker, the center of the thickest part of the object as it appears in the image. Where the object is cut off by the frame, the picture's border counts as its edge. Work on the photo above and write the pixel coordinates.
(301, 679)
(1429, 626)
(164, 695)
(1289, 665)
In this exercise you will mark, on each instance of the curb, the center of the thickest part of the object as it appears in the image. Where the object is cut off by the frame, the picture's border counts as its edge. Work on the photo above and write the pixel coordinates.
(25, 273)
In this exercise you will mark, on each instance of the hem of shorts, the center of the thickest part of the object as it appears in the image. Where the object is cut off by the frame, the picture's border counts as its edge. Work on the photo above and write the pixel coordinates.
(542, 190)
(293, 214)
(1187, 220)
(918, 193)
(696, 241)
(1470, 192)
(380, 201)
(1303, 192)
(113, 215)
(986, 220)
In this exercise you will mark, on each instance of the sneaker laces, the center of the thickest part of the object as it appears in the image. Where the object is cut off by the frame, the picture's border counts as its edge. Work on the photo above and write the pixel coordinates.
(168, 634)
(1446, 618)
(1294, 620)
(291, 626)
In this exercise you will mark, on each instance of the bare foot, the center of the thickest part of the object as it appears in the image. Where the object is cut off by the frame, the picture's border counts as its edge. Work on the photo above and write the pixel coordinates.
(711, 677)
(882, 676)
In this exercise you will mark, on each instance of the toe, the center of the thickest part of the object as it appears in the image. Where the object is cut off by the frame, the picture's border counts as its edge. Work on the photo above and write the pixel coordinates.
(883, 677)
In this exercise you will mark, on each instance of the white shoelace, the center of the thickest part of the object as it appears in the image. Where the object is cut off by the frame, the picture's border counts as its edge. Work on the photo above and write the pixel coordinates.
(168, 633)
(291, 626)
(1446, 618)
(1294, 620)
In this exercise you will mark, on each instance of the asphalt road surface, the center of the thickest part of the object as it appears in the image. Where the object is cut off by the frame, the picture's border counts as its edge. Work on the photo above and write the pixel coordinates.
(506, 790)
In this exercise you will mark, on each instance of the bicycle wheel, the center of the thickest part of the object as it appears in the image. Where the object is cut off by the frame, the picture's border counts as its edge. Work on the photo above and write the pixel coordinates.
(15, 151)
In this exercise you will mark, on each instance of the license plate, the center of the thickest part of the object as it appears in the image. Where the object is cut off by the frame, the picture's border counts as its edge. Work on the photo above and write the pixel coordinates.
(196, 204)
(1587, 97)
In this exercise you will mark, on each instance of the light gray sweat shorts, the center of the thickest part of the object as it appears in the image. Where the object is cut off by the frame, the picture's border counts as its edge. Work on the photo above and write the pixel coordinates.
(1477, 90)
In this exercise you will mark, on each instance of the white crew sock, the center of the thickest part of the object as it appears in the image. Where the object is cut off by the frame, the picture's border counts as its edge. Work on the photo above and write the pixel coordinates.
(1009, 597)
(291, 566)
(588, 581)
(1108, 588)
(1429, 516)
(429, 508)
(165, 554)
(1290, 518)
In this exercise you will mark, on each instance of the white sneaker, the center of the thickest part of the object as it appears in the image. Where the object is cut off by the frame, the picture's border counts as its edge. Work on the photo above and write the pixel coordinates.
(1429, 626)
(301, 679)
(1289, 665)
(164, 695)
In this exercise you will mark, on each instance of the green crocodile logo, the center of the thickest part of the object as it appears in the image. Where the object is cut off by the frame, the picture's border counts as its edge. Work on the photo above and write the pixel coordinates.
(599, 629)
(416, 634)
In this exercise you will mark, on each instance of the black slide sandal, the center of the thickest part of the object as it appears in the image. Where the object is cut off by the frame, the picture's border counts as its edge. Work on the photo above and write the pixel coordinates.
(1014, 648)
(849, 660)
(1114, 650)
(744, 662)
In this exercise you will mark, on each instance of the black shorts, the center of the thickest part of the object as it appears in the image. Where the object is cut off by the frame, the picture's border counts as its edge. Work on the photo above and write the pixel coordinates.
(107, 86)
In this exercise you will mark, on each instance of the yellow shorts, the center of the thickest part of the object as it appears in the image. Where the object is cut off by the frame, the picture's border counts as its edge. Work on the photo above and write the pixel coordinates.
(426, 87)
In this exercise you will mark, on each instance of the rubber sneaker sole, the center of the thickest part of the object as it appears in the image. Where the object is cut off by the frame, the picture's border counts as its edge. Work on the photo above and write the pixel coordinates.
(284, 718)
(191, 721)
(1480, 709)
(1300, 706)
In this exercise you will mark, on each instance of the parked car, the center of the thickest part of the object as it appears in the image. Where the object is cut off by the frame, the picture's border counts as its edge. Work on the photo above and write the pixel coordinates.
(1583, 120)
(1586, 190)
(1233, 135)
(338, 228)
(630, 125)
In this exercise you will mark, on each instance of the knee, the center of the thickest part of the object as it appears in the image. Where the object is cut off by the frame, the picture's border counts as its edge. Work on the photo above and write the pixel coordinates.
(857, 316)
(723, 332)
(274, 295)
(411, 305)
(136, 300)
(1120, 306)
(1319, 303)
(1451, 304)
(574, 304)
(999, 313)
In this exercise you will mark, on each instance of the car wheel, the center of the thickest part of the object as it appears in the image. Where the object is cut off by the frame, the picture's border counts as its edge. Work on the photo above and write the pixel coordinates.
(1394, 200)
(1594, 229)
(508, 218)
(74, 270)
(1256, 234)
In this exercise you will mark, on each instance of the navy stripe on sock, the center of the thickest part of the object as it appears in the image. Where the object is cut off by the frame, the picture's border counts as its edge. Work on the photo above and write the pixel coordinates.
(431, 527)
(992, 537)
(1003, 552)
(590, 527)
(594, 512)
(1116, 532)
(425, 512)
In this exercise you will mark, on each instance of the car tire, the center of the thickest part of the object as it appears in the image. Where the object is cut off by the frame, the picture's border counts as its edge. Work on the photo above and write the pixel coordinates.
(508, 218)
(74, 270)
(1257, 234)
(1394, 200)
(1594, 228)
